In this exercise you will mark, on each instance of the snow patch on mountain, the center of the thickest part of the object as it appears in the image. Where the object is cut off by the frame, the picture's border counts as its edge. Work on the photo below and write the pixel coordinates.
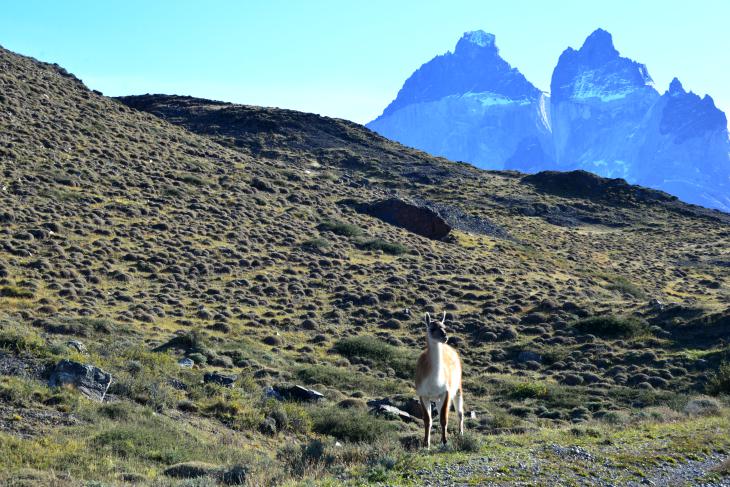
(480, 38)
(487, 99)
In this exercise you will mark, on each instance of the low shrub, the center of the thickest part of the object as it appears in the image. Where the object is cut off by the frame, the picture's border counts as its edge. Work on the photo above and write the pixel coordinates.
(17, 338)
(468, 442)
(15, 292)
(80, 326)
(343, 379)
(703, 406)
(352, 425)
(386, 247)
(340, 228)
(610, 326)
(527, 390)
(316, 244)
(146, 377)
(623, 285)
(402, 361)
(718, 382)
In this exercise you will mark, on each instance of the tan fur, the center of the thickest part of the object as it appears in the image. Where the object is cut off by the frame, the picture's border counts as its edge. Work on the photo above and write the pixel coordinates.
(438, 379)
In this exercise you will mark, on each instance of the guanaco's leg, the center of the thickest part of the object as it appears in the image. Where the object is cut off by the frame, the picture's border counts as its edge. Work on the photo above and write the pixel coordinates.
(459, 406)
(444, 417)
(426, 406)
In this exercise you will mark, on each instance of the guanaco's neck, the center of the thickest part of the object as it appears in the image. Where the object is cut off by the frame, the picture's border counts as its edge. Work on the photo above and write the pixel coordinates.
(435, 349)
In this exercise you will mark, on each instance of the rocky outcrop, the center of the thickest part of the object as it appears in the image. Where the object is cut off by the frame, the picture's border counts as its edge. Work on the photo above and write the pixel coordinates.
(583, 184)
(414, 218)
(89, 380)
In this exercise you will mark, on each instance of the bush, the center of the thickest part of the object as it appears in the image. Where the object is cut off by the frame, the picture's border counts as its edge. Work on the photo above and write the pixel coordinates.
(343, 379)
(15, 292)
(621, 284)
(527, 390)
(703, 406)
(148, 380)
(340, 228)
(307, 458)
(351, 425)
(299, 419)
(386, 247)
(20, 339)
(316, 244)
(383, 354)
(79, 326)
(719, 382)
(611, 326)
(468, 442)
(194, 180)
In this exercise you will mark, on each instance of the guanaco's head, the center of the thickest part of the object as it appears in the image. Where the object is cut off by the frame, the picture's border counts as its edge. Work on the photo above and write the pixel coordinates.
(436, 330)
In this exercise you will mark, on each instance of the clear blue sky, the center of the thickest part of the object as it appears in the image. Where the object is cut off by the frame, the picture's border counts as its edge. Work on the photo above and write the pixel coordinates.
(349, 58)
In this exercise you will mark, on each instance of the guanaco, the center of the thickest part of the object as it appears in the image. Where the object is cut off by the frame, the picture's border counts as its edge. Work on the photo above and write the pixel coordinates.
(438, 379)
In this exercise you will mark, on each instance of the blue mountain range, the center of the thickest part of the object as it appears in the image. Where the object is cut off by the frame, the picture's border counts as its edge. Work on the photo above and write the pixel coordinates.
(603, 115)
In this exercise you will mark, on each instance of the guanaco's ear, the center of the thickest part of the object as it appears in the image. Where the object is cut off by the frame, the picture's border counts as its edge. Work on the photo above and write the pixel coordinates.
(427, 319)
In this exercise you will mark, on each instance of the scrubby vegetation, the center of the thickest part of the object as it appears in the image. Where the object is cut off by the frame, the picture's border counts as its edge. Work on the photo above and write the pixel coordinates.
(611, 326)
(341, 228)
(211, 273)
(718, 382)
(380, 353)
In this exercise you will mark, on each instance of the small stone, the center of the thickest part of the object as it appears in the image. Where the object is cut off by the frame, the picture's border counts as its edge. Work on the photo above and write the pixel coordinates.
(185, 362)
(77, 345)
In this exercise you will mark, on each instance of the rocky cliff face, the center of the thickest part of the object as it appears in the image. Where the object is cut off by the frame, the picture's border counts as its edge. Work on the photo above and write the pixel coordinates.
(686, 149)
(607, 118)
(599, 102)
(470, 105)
(603, 115)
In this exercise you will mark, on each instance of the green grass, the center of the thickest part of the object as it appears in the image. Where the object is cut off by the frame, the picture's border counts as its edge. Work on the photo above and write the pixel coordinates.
(340, 228)
(17, 338)
(15, 292)
(351, 425)
(718, 382)
(384, 355)
(624, 285)
(345, 379)
(316, 244)
(610, 326)
(525, 390)
(384, 246)
(139, 441)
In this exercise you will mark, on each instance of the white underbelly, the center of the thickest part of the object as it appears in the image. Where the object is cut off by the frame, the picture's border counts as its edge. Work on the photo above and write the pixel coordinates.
(432, 389)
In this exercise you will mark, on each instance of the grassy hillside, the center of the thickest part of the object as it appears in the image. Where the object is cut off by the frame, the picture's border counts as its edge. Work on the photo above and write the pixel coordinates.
(232, 236)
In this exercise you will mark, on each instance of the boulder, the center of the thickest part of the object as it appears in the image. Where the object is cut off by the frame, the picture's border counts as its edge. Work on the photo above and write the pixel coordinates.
(299, 393)
(392, 412)
(235, 475)
(417, 219)
(89, 380)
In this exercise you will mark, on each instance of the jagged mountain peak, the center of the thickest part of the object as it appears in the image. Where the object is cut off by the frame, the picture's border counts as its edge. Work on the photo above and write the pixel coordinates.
(476, 39)
(676, 88)
(599, 45)
(597, 71)
(474, 66)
